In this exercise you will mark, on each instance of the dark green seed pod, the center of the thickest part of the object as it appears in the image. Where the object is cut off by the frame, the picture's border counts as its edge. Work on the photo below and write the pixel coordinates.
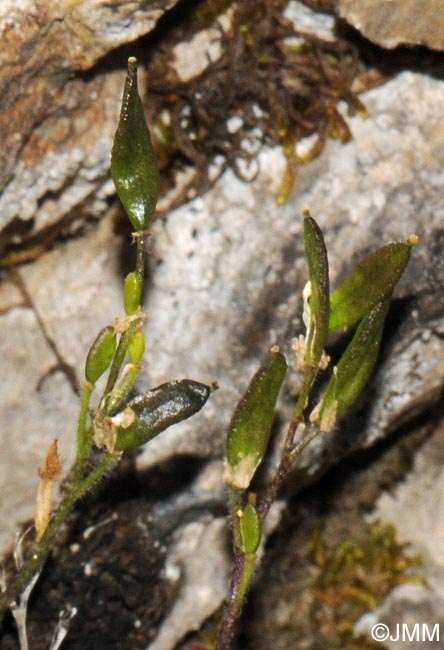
(370, 282)
(354, 368)
(132, 293)
(100, 354)
(250, 529)
(250, 427)
(317, 261)
(151, 413)
(133, 163)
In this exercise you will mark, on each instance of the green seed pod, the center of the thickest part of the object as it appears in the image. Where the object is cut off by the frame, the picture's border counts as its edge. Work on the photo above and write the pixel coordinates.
(250, 427)
(370, 282)
(136, 346)
(100, 354)
(317, 261)
(133, 163)
(354, 368)
(250, 529)
(148, 415)
(132, 293)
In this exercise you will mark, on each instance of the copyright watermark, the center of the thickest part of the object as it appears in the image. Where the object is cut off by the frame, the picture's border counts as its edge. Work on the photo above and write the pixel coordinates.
(404, 632)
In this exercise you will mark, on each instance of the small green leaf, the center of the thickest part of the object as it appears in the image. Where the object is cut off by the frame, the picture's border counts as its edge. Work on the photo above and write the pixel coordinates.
(132, 293)
(371, 281)
(250, 427)
(100, 354)
(133, 163)
(250, 528)
(317, 261)
(136, 346)
(354, 368)
(151, 413)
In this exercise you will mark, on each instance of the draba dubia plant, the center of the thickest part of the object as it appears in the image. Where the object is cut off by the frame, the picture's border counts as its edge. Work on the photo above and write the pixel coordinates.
(119, 423)
(362, 299)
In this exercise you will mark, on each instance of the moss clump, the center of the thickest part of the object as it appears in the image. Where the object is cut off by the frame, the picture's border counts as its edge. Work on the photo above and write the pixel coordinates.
(353, 578)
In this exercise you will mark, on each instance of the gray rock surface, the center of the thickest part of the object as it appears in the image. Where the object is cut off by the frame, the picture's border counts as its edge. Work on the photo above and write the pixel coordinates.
(415, 508)
(410, 617)
(225, 281)
(227, 268)
(390, 23)
(54, 153)
(199, 561)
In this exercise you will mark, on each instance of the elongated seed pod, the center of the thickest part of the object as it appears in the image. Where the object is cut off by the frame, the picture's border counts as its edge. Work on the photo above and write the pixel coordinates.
(133, 163)
(354, 368)
(151, 413)
(250, 427)
(369, 283)
(317, 262)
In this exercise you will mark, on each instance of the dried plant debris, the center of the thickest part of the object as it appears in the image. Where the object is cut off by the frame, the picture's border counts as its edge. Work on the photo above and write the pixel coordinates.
(268, 83)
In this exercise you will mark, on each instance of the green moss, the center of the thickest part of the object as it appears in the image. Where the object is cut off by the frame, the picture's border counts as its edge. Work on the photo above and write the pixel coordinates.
(352, 579)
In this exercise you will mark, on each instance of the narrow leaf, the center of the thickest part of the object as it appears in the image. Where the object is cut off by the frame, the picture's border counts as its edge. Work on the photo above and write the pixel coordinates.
(371, 281)
(151, 413)
(250, 427)
(317, 261)
(133, 163)
(354, 368)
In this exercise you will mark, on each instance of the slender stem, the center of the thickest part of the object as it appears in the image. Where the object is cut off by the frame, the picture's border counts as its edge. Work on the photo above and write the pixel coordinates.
(303, 443)
(245, 580)
(281, 472)
(141, 254)
(84, 438)
(119, 357)
(127, 336)
(122, 387)
(290, 452)
(234, 497)
(243, 569)
(240, 580)
(41, 549)
(307, 383)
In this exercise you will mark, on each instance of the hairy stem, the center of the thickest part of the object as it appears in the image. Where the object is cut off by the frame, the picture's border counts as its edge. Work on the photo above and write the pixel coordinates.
(40, 550)
(84, 438)
(281, 472)
(141, 254)
(243, 567)
(234, 497)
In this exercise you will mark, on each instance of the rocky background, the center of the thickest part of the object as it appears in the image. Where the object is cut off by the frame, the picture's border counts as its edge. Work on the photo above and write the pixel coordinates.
(225, 278)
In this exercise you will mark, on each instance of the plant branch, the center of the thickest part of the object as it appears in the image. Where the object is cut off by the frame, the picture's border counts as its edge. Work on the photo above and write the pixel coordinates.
(84, 438)
(40, 550)
(242, 572)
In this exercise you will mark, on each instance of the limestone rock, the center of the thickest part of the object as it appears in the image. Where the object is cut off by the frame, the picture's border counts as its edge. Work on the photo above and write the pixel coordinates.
(54, 152)
(390, 23)
(196, 600)
(226, 275)
(415, 509)
(310, 22)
